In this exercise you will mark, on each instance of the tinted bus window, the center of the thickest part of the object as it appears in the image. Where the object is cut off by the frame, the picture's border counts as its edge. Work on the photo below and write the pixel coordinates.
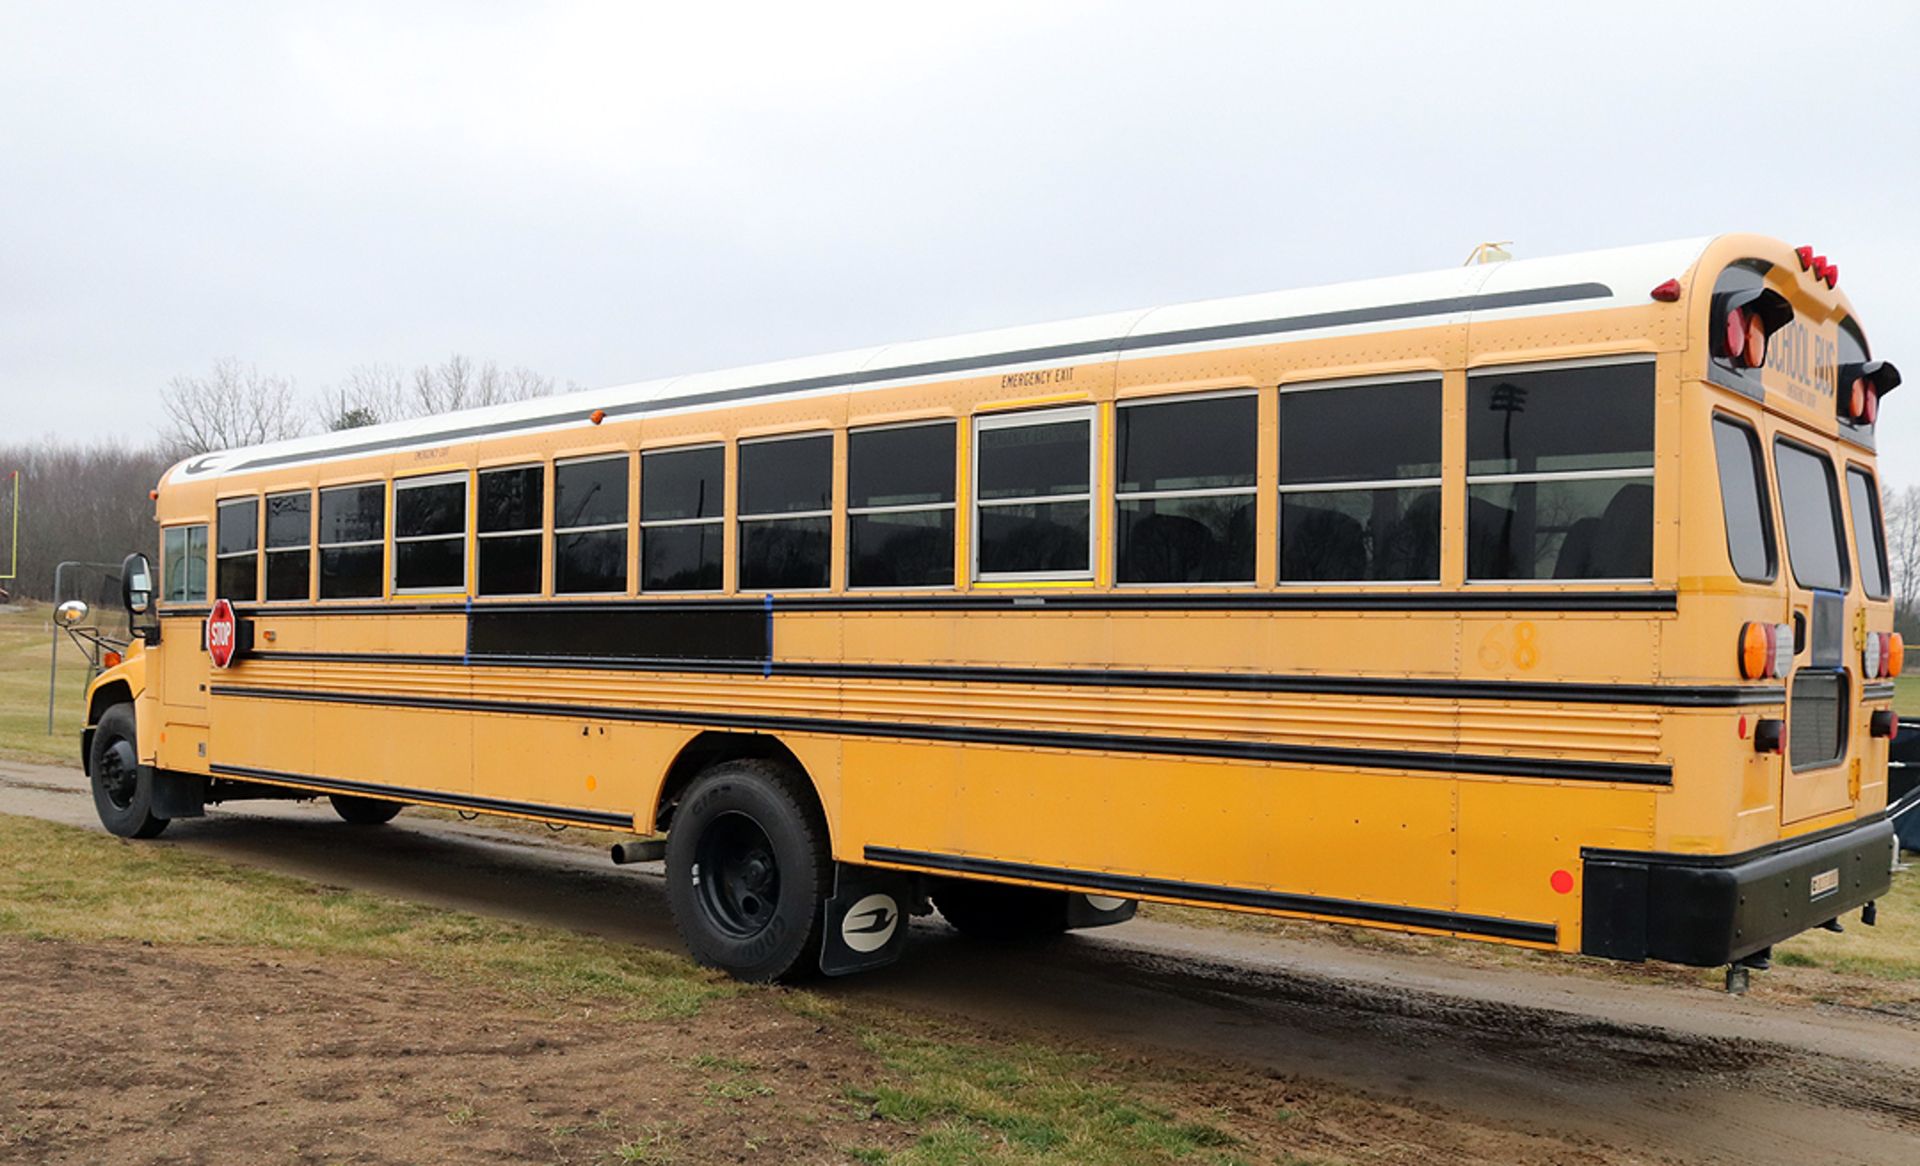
(511, 521)
(353, 526)
(786, 513)
(681, 517)
(590, 526)
(236, 557)
(1810, 507)
(1185, 490)
(900, 506)
(1743, 499)
(1869, 538)
(289, 545)
(1560, 473)
(1360, 483)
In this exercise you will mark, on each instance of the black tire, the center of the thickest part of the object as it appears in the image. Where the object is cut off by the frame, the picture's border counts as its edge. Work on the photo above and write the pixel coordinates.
(748, 870)
(364, 811)
(1000, 912)
(122, 787)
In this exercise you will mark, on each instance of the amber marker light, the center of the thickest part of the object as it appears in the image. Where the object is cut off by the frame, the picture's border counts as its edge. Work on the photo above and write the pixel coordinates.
(597, 416)
(1756, 651)
(1896, 654)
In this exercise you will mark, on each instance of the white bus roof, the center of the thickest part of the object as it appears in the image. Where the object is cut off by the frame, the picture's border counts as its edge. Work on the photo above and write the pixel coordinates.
(1593, 280)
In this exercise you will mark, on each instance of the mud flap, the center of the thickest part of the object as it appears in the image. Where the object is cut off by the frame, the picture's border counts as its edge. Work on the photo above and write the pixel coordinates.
(179, 795)
(1098, 910)
(866, 924)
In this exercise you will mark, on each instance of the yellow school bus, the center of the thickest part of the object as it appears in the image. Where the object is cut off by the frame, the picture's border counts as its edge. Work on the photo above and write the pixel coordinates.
(1542, 602)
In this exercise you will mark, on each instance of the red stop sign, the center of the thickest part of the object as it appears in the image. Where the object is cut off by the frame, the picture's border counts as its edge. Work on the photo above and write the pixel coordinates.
(223, 633)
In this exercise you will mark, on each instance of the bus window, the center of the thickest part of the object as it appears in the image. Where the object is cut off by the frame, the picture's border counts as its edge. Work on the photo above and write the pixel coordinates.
(183, 554)
(1560, 473)
(353, 532)
(590, 526)
(430, 533)
(786, 513)
(1186, 489)
(1869, 539)
(1360, 482)
(289, 545)
(236, 573)
(900, 506)
(1033, 495)
(510, 523)
(681, 517)
(1810, 507)
(1743, 500)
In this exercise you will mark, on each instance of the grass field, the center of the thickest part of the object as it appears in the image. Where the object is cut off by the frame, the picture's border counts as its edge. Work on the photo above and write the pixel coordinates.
(26, 639)
(938, 1093)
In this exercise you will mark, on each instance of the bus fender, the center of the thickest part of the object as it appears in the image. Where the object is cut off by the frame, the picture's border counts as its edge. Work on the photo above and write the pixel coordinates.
(865, 925)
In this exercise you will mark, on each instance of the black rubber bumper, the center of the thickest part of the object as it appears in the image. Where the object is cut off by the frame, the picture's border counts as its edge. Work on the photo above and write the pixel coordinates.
(1706, 910)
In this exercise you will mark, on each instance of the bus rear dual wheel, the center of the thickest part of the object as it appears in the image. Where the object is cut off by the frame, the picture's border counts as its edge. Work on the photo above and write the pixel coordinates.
(749, 869)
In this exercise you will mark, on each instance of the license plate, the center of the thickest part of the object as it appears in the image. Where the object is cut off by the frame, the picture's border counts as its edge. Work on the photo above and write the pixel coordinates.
(1825, 883)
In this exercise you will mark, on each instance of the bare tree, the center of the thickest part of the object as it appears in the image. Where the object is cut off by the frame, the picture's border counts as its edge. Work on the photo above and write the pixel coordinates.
(460, 383)
(1902, 515)
(370, 394)
(232, 405)
(77, 502)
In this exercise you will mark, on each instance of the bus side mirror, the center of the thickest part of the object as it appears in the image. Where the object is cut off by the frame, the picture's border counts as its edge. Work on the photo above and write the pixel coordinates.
(136, 593)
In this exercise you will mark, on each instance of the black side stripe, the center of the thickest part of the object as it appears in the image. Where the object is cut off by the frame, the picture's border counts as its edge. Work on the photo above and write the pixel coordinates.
(1435, 601)
(1106, 347)
(1546, 768)
(1137, 886)
(454, 801)
(1653, 695)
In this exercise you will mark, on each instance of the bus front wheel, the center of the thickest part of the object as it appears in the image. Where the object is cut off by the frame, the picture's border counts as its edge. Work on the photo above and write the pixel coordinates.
(364, 811)
(748, 870)
(122, 787)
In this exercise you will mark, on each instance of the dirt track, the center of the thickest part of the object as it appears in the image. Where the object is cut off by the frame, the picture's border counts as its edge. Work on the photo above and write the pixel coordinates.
(1651, 1073)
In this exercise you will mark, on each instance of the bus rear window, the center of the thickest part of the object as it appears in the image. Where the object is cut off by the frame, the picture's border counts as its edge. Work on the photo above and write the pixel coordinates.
(1743, 499)
(1869, 540)
(1810, 506)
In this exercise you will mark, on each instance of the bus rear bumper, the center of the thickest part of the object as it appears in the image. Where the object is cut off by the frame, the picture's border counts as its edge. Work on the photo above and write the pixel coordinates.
(1706, 910)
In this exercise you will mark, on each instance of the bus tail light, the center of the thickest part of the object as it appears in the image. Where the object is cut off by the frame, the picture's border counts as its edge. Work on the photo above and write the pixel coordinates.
(1766, 650)
(1748, 318)
(1882, 724)
(1736, 338)
(1896, 653)
(1866, 383)
(1770, 735)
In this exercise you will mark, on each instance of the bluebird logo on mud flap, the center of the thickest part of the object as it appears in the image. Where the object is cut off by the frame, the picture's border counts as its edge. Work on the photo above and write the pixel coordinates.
(870, 923)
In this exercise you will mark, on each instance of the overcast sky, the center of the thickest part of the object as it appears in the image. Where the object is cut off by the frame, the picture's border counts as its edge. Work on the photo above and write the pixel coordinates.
(610, 194)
